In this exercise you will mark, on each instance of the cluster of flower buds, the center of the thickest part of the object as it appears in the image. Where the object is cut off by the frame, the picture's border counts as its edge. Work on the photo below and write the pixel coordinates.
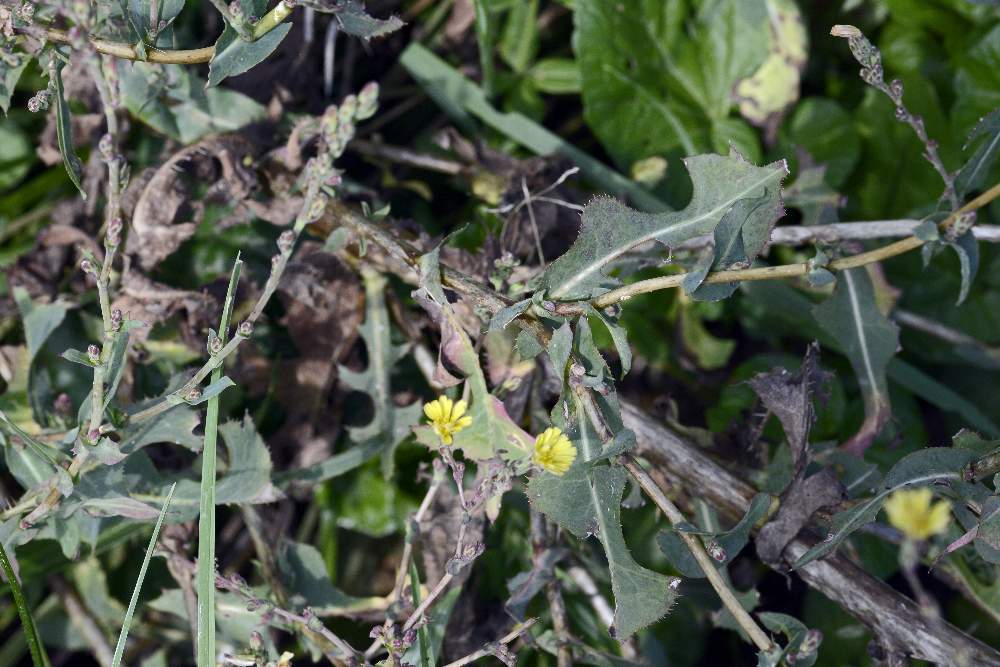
(716, 551)
(116, 320)
(39, 101)
(245, 329)
(88, 268)
(93, 354)
(194, 395)
(394, 644)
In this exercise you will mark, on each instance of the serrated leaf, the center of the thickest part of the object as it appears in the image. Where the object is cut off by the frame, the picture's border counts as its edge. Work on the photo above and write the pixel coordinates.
(587, 500)
(922, 467)
(869, 340)
(64, 131)
(389, 424)
(609, 229)
(739, 237)
(973, 173)
(353, 19)
(175, 425)
(235, 56)
(248, 473)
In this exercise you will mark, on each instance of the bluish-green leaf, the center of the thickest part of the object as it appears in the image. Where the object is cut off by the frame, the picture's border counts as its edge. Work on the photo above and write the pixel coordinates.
(235, 56)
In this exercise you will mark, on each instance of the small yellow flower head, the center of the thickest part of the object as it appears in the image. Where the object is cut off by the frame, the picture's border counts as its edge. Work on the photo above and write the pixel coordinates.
(286, 659)
(910, 511)
(553, 451)
(447, 417)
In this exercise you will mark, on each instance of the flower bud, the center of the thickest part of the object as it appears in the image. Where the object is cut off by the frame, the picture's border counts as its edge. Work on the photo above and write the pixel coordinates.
(107, 147)
(88, 267)
(367, 101)
(716, 551)
(63, 405)
(317, 207)
(114, 234)
(256, 641)
(116, 320)
(348, 107)
(214, 343)
(194, 394)
(27, 12)
(286, 241)
(245, 329)
(94, 354)
(236, 10)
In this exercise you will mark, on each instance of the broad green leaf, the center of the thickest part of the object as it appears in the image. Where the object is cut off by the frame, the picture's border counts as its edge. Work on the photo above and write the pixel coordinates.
(305, 574)
(741, 234)
(977, 81)
(9, 78)
(826, 132)
(175, 425)
(389, 424)
(868, 339)
(247, 478)
(922, 467)
(814, 198)
(173, 100)
(64, 130)
(988, 533)
(586, 501)
(235, 56)
(39, 321)
(973, 173)
(654, 82)
(609, 229)
(765, 95)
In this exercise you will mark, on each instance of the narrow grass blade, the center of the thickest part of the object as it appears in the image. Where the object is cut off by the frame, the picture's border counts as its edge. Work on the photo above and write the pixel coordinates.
(127, 622)
(38, 655)
(422, 639)
(205, 578)
(448, 87)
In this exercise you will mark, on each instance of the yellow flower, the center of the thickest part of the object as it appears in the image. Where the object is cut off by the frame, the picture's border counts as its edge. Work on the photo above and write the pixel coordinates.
(286, 659)
(447, 417)
(910, 511)
(553, 451)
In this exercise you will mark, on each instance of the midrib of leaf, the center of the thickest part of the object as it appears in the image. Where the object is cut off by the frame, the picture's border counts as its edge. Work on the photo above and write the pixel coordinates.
(596, 264)
(205, 578)
(984, 158)
(859, 325)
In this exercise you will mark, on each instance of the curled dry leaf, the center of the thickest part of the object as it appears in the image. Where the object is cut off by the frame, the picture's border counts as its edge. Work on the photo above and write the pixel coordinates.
(154, 235)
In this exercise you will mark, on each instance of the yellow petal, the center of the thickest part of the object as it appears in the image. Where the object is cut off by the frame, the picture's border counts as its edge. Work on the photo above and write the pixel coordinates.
(463, 422)
(433, 410)
(458, 410)
(446, 406)
(938, 517)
